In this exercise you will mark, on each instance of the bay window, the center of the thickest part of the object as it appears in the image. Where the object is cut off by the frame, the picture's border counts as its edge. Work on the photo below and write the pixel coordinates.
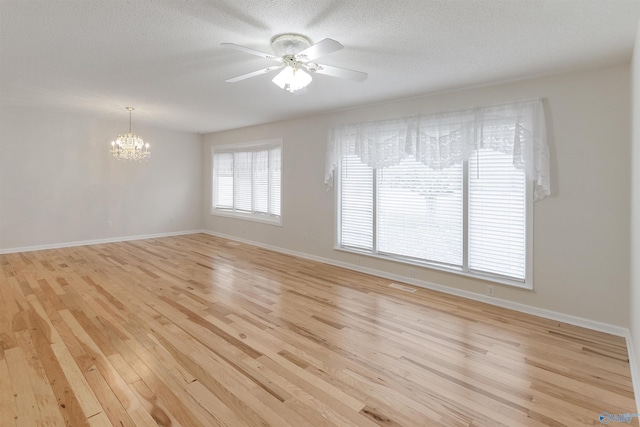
(247, 181)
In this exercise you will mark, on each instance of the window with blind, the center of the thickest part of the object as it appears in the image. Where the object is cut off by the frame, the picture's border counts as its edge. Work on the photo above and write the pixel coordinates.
(417, 214)
(472, 216)
(247, 181)
(497, 236)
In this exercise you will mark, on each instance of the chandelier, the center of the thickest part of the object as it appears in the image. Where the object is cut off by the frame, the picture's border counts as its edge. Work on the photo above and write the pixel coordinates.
(129, 146)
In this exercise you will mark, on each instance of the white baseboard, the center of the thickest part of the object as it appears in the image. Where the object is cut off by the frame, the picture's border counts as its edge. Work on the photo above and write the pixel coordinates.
(523, 308)
(634, 364)
(96, 241)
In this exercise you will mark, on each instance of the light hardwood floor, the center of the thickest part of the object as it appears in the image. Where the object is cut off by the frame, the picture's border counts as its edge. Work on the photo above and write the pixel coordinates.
(200, 331)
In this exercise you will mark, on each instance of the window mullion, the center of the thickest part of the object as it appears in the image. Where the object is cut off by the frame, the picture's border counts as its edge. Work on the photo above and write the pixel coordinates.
(374, 219)
(269, 155)
(529, 231)
(465, 216)
(253, 181)
(235, 182)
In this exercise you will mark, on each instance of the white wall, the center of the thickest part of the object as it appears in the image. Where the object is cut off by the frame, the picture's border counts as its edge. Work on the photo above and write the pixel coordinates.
(635, 225)
(581, 234)
(58, 184)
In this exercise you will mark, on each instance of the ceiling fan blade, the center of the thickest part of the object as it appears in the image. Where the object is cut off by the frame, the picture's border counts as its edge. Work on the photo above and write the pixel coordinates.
(342, 73)
(323, 47)
(253, 74)
(251, 51)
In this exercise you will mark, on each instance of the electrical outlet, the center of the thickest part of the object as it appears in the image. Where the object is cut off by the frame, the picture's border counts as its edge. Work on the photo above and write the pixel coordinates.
(412, 272)
(109, 223)
(491, 290)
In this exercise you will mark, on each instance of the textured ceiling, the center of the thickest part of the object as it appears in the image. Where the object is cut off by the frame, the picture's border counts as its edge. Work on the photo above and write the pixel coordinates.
(164, 56)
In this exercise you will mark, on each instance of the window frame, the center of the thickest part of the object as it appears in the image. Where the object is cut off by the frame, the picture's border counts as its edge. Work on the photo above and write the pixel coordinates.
(464, 270)
(252, 146)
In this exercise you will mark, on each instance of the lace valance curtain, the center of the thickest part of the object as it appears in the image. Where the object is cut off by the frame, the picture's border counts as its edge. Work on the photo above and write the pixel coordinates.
(442, 140)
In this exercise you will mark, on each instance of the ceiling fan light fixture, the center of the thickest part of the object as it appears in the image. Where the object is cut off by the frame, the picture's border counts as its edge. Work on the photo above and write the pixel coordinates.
(292, 79)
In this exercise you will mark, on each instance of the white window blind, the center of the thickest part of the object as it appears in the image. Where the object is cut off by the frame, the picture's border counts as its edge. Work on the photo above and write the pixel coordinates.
(412, 212)
(275, 180)
(419, 212)
(223, 170)
(247, 181)
(243, 194)
(497, 215)
(356, 216)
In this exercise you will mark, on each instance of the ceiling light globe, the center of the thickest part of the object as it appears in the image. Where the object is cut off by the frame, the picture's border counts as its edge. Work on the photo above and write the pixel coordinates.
(299, 80)
(292, 79)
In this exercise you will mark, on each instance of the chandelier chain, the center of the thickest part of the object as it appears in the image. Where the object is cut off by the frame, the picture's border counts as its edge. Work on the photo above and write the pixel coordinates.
(130, 110)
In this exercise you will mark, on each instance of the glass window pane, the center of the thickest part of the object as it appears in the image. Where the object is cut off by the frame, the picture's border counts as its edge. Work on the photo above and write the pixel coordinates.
(420, 212)
(356, 201)
(243, 175)
(275, 180)
(497, 215)
(223, 182)
(261, 181)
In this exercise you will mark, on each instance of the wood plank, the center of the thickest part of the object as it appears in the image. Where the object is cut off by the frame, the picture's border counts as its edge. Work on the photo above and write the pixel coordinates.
(8, 407)
(27, 412)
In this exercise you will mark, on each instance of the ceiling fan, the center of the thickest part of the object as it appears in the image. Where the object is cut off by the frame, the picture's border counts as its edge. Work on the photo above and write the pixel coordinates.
(295, 54)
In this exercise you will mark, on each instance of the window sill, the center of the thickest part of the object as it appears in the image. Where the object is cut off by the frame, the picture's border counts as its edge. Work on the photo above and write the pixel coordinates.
(528, 284)
(264, 219)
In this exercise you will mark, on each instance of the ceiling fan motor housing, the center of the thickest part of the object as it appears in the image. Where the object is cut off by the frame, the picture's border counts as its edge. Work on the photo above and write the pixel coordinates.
(289, 44)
